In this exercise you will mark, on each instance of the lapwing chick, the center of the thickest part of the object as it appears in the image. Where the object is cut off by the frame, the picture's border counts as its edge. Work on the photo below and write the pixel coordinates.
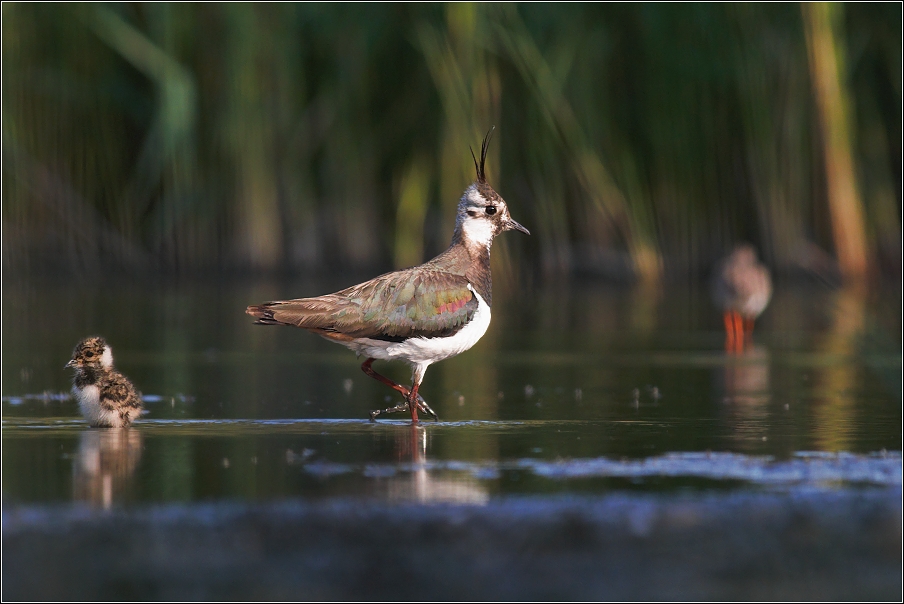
(420, 315)
(742, 289)
(106, 398)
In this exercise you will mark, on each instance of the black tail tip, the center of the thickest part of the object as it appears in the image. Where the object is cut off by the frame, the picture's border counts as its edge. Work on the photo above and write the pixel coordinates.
(263, 314)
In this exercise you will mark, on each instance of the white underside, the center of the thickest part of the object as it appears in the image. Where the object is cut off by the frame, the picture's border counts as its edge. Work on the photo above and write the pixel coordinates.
(755, 304)
(420, 353)
(96, 415)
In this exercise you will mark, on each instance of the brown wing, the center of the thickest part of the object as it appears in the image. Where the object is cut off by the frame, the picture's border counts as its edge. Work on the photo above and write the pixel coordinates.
(394, 306)
(117, 392)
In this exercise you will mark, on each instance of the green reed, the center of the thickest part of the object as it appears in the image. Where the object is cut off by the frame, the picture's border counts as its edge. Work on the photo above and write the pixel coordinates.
(634, 141)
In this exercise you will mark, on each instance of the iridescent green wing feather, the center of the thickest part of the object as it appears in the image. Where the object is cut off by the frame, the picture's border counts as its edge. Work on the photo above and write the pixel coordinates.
(407, 304)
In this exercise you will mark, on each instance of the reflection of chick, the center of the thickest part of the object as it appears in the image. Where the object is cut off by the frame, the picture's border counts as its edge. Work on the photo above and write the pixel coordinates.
(106, 397)
(105, 463)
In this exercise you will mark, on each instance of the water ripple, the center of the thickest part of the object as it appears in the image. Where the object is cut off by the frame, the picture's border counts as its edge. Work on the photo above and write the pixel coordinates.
(806, 467)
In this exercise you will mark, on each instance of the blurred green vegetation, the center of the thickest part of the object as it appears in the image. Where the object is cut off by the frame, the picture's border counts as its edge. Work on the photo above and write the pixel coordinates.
(633, 140)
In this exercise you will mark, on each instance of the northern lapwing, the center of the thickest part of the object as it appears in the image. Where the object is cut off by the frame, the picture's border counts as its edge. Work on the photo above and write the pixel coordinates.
(420, 315)
(106, 398)
(742, 289)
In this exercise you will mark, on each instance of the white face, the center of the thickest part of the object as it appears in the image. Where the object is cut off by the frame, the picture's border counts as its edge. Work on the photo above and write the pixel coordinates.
(478, 230)
(481, 219)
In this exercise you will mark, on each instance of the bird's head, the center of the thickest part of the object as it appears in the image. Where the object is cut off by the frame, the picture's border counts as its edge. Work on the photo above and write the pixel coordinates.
(482, 213)
(92, 353)
(744, 254)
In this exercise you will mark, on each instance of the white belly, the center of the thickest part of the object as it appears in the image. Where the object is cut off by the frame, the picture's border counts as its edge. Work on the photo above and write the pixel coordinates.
(97, 415)
(755, 304)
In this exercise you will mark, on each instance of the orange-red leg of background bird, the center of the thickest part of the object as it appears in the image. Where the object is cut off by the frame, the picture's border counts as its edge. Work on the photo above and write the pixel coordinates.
(740, 341)
(729, 331)
(748, 330)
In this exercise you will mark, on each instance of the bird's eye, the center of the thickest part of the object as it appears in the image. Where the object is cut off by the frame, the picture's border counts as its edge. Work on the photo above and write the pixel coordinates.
(491, 210)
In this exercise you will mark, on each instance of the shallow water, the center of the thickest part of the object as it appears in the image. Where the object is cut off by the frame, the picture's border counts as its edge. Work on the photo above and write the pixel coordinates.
(574, 389)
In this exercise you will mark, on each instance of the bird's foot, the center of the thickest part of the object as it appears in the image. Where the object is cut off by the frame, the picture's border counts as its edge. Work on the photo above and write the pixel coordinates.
(397, 409)
(421, 405)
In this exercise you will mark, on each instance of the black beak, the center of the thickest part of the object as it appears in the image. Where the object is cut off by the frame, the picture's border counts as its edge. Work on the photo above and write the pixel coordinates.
(511, 225)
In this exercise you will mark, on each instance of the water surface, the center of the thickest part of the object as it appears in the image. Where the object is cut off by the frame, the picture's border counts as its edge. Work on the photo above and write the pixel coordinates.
(579, 389)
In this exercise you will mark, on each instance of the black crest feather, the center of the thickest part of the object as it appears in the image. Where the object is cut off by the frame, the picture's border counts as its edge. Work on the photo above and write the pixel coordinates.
(481, 167)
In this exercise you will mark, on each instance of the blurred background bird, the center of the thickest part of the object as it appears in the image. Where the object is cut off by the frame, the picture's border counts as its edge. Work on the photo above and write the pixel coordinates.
(742, 288)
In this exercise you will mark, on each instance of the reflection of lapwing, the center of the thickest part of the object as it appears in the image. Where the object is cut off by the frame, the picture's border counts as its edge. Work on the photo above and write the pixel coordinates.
(423, 483)
(741, 288)
(420, 315)
(106, 397)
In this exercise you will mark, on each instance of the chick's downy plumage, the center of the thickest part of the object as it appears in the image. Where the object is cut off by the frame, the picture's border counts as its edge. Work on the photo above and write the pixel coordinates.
(106, 398)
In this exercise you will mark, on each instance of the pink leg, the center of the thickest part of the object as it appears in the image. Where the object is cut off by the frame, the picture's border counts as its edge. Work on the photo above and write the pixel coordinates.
(366, 368)
(412, 403)
(412, 400)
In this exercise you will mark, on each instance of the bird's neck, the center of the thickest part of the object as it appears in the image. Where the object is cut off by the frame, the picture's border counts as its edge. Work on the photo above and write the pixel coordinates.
(469, 260)
(86, 376)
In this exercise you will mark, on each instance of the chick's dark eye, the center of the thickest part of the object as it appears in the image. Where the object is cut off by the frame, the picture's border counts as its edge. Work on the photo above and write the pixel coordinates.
(491, 210)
